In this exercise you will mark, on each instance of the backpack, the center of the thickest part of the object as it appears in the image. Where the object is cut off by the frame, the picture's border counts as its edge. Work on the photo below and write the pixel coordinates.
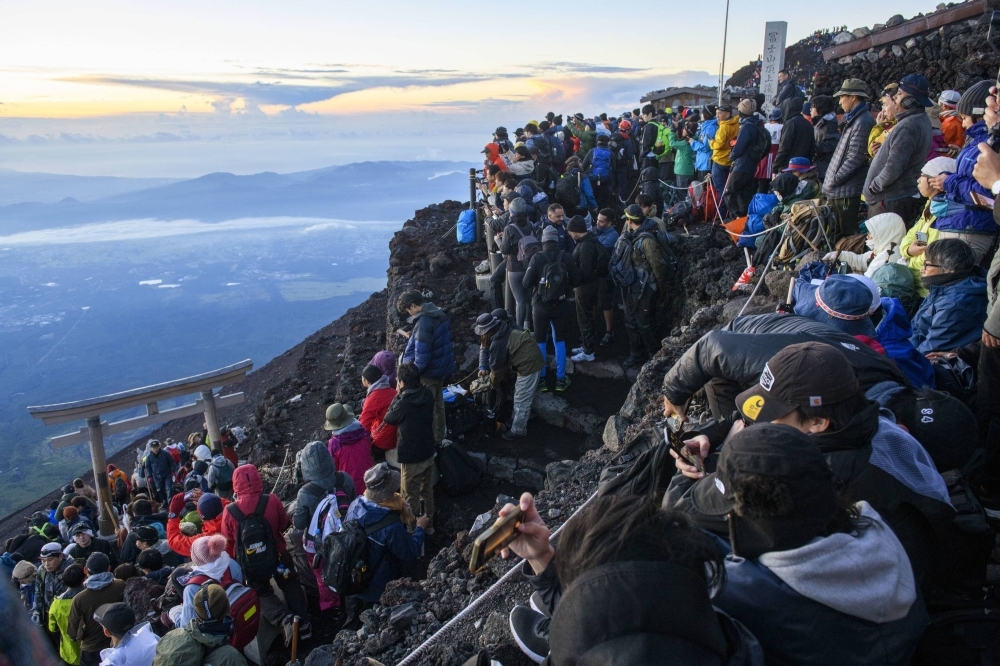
(603, 259)
(527, 247)
(244, 607)
(223, 474)
(663, 134)
(323, 522)
(256, 550)
(620, 267)
(459, 472)
(121, 490)
(552, 286)
(544, 147)
(644, 467)
(761, 145)
(601, 164)
(344, 558)
(461, 417)
(668, 258)
(568, 190)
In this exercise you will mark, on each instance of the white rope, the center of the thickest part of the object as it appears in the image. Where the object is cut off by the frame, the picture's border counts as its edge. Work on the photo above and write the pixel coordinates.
(280, 471)
(759, 233)
(423, 647)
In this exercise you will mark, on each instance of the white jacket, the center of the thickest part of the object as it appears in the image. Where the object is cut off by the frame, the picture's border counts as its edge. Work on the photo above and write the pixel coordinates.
(138, 647)
(887, 231)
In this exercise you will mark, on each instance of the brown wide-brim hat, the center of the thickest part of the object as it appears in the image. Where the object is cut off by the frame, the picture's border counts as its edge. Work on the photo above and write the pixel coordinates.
(853, 87)
(338, 416)
(381, 482)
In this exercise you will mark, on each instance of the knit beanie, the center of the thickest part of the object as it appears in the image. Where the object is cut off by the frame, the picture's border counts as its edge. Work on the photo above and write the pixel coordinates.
(577, 225)
(973, 100)
(70, 513)
(24, 572)
(371, 373)
(747, 107)
(209, 506)
(206, 550)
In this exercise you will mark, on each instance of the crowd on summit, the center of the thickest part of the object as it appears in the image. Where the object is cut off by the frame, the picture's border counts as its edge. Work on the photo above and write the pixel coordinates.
(826, 488)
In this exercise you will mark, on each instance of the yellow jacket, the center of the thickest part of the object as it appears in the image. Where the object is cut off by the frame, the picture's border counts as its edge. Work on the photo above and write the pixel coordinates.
(721, 144)
(923, 224)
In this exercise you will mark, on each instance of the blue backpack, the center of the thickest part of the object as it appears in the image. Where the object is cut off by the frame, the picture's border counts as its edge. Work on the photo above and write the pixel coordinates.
(601, 166)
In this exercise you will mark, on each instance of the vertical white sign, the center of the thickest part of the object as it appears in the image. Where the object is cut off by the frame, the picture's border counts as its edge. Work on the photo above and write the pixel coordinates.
(772, 61)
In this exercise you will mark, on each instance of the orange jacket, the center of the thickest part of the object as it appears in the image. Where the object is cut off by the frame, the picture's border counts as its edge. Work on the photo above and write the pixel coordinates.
(118, 474)
(181, 543)
(951, 128)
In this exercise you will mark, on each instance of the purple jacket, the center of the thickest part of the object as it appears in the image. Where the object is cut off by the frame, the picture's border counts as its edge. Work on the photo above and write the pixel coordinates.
(386, 362)
(351, 448)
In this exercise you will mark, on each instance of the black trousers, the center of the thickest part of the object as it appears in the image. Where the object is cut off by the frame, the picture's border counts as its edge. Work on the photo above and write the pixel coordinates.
(90, 658)
(908, 208)
(547, 316)
(988, 402)
(742, 187)
(640, 321)
(586, 302)
(846, 211)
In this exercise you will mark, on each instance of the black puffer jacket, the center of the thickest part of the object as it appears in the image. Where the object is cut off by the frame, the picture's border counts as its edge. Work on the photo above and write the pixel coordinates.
(413, 412)
(797, 138)
(672, 623)
(586, 255)
(827, 134)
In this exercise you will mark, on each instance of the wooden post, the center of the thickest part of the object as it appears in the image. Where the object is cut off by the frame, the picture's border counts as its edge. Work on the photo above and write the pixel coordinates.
(100, 465)
(472, 205)
(211, 420)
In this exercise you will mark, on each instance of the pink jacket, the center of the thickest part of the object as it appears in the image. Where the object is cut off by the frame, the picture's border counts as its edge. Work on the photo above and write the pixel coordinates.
(351, 449)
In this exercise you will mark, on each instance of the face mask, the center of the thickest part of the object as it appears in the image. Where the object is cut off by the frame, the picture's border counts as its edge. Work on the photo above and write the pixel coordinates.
(939, 207)
(870, 244)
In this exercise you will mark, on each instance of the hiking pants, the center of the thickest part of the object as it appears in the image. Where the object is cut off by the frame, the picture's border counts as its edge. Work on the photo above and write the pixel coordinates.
(640, 321)
(683, 182)
(846, 212)
(980, 243)
(549, 321)
(163, 488)
(436, 385)
(720, 175)
(742, 187)
(521, 297)
(988, 402)
(586, 302)
(415, 484)
(524, 394)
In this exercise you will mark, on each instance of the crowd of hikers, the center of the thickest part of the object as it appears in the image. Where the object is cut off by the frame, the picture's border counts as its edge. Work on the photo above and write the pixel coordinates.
(823, 487)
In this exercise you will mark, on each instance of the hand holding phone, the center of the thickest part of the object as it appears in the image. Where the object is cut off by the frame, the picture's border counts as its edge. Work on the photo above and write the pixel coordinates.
(921, 237)
(530, 538)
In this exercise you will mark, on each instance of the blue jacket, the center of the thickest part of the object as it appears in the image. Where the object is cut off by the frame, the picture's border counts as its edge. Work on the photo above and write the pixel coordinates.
(951, 316)
(392, 547)
(760, 205)
(558, 147)
(702, 154)
(429, 347)
(958, 188)
(607, 237)
(893, 333)
(587, 200)
(742, 162)
(160, 466)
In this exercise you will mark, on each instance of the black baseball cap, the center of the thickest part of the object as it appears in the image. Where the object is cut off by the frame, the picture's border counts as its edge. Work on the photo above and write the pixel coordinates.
(774, 483)
(808, 374)
(117, 618)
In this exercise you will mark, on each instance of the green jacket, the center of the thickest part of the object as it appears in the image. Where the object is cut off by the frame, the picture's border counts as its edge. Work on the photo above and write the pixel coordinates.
(187, 646)
(684, 160)
(523, 355)
(69, 649)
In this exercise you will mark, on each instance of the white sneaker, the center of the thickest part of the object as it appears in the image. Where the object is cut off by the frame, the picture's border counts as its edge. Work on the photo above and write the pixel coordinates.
(582, 356)
(578, 350)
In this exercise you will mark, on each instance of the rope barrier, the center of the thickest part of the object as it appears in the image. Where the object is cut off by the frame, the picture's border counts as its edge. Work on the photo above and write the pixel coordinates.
(464, 613)
(759, 233)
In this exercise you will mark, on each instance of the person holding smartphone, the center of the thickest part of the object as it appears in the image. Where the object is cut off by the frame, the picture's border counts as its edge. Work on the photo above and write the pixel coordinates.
(923, 232)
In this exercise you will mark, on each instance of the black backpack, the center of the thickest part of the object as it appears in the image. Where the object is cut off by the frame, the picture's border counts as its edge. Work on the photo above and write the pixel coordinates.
(568, 190)
(643, 468)
(121, 490)
(460, 473)
(344, 556)
(761, 145)
(668, 258)
(462, 417)
(620, 267)
(552, 286)
(256, 550)
(603, 259)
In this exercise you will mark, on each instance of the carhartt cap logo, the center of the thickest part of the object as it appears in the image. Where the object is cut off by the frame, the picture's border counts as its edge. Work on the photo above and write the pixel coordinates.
(720, 485)
(752, 406)
(767, 378)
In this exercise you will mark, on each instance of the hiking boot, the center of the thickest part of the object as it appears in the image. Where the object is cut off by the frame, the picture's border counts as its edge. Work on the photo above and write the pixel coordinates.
(633, 360)
(745, 277)
(531, 632)
(608, 338)
(538, 604)
(581, 356)
(577, 350)
(543, 386)
(288, 627)
(562, 384)
(511, 435)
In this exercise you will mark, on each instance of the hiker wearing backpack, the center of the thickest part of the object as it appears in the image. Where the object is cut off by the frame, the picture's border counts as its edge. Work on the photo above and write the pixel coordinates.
(392, 549)
(378, 396)
(220, 476)
(752, 144)
(625, 163)
(518, 244)
(429, 349)
(551, 275)
(322, 480)
(350, 444)
(253, 526)
(502, 347)
(591, 259)
(205, 639)
(573, 190)
(120, 485)
(650, 133)
(412, 412)
(639, 266)
(535, 138)
(599, 163)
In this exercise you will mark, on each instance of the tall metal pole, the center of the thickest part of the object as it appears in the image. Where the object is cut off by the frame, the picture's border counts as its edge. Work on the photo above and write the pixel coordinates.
(722, 68)
(99, 463)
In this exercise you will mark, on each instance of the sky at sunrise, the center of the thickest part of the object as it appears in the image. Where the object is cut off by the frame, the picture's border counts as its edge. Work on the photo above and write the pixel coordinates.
(179, 88)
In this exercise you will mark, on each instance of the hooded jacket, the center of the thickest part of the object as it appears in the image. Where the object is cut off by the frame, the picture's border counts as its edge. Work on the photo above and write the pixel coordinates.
(351, 448)
(959, 186)
(180, 543)
(522, 168)
(392, 547)
(513, 233)
(788, 90)
(412, 412)
(377, 402)
(69, 649)
(322, 479)
(896, 166)
(510, 348)
(675, 624)
(137, 648)
(48, 586)
(99, 589)
(188, 646)
(797, 136)
(493, 156)
(429, 346)
(587, 255)
(720, 144)
(952, 315)
(924, 224)
(740, 156)
(893, 333)
(248, 487)
(887, 231)
(827, 134)
(845, 175)
(858, 587)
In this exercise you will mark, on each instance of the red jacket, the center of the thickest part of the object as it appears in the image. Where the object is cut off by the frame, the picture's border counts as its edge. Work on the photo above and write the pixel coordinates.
(247, 486)
(376, 405)
(181, 543)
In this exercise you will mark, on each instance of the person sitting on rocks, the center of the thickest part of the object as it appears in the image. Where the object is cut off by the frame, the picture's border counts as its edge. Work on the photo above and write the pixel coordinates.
(954, 311)
(624, 552)
(885, 231)
(379, 392)
(205, 639)
(350, 444)
(502, 347)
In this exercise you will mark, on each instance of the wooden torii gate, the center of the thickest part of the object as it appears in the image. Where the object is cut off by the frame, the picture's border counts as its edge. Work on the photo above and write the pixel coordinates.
(91, 410)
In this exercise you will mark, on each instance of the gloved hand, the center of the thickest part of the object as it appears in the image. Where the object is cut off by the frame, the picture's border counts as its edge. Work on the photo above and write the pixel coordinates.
(177, 504)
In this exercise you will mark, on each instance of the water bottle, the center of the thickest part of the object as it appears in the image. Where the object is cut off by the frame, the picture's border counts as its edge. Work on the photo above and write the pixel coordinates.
(282, 571)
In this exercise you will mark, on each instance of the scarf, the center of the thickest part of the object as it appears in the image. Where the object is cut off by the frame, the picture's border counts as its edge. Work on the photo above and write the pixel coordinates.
(854, 113)
(383, 382)
(395, 503)
(944, 279)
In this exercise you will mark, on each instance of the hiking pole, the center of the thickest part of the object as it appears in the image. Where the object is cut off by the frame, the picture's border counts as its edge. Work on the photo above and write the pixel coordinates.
(295, 642)
(770, 260)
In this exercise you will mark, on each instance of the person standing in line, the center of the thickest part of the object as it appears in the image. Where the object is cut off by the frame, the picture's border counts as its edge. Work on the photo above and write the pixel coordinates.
(429, 349)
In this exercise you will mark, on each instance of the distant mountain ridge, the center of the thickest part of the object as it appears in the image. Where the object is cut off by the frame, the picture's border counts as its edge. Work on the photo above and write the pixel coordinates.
(19, 187)
(353, 191)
